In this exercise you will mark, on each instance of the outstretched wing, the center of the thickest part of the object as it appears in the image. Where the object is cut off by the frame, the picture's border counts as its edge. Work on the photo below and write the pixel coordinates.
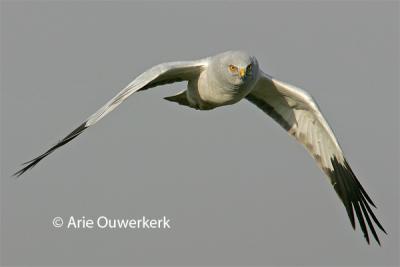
(297, 113)
(160, 74)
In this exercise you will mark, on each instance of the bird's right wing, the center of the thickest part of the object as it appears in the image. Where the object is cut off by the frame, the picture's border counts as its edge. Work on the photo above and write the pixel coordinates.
(160, 74)
(296, 111)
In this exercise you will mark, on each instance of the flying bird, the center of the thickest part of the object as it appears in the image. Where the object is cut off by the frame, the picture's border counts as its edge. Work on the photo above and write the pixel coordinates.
(229, 77)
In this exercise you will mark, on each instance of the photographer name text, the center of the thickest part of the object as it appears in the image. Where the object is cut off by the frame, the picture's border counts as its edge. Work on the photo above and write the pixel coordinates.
(104, 222)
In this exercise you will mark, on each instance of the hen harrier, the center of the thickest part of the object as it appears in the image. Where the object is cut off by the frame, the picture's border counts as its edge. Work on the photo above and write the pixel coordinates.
(229, 77)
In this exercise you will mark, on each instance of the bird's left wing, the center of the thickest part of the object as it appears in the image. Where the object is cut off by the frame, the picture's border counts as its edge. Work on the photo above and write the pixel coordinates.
(160, 74)
(298, 114)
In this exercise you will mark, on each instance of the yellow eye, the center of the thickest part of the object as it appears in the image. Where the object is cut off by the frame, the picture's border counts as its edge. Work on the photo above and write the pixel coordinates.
(249, 67)
(233, 68)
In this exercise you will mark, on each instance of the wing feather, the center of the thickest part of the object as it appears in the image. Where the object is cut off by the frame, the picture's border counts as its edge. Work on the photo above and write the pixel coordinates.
(157, 75)
(298, 113)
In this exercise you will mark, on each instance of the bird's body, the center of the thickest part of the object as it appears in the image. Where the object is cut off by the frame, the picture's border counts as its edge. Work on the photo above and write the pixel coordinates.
(229, 77)
(205, 95)
(207, 90)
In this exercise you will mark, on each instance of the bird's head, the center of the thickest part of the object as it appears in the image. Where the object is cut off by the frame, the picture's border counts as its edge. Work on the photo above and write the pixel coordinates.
(236, 67)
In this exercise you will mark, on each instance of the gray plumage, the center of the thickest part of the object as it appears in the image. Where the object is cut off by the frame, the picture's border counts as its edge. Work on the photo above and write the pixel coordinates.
(229, 77)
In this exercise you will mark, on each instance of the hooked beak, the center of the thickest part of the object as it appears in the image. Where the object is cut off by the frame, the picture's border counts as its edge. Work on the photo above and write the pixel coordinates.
(242, 73)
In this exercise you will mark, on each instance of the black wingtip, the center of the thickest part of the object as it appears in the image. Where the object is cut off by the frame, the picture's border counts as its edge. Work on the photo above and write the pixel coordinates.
(32, 163)
(26, 168)
(354, 198)
(364, 193)
(383, 230)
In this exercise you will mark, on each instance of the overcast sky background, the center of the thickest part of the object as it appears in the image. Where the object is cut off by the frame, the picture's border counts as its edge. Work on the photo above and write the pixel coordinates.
(237, 189)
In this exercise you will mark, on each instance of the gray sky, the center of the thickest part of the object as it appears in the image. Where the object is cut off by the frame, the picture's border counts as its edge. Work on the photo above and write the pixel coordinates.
(237, 189)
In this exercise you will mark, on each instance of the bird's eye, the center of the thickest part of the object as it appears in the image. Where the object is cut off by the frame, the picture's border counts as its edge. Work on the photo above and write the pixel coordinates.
(233, 68)
(249, 68)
